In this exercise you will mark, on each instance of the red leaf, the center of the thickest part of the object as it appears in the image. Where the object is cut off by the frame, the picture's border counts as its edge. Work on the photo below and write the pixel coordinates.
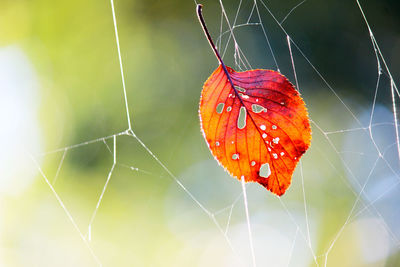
(255, 123)
(258, 131)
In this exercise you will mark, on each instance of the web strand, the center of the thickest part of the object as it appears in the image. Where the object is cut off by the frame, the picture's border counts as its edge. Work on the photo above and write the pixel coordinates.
(246, 206)
(71, 219)
(291, 11)
(292, 248)
(59, 166)
(120, 64)
(265, 35)
(300, 163)
(105, 186)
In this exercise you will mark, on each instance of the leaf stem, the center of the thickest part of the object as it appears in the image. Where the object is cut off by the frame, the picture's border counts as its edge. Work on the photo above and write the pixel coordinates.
(207, 34)
(214, 48)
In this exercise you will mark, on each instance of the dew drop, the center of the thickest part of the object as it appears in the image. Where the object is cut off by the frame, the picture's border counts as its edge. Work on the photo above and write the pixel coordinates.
(265, 170)
(282, 153)
(233, 142)
(275, 140)
(262, 127)
(274, 127)
(245, 97)
(269, 149)
(217, 143)
(275, 155)
(235, 156)
(264, 135)
(220, 108)
(253, 163)
(228, 109)
(241, 122)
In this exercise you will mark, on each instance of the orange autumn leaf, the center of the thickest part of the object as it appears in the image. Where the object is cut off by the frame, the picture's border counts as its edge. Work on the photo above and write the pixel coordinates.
(260, 130)
(255, 123)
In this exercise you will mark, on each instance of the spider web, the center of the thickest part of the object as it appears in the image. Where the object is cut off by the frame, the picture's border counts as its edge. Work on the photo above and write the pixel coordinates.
(343, 201)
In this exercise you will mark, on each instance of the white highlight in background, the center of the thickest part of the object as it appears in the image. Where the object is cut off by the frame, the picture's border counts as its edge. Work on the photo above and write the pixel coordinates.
(18, 119)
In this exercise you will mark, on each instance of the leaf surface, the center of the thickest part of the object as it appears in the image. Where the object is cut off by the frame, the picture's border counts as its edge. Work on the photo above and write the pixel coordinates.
(257, 130)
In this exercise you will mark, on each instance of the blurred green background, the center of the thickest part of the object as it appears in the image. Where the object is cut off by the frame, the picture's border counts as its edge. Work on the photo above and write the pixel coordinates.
(60, 85)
